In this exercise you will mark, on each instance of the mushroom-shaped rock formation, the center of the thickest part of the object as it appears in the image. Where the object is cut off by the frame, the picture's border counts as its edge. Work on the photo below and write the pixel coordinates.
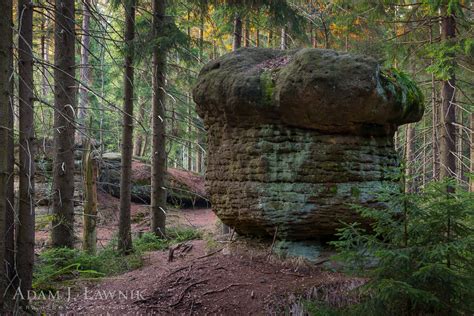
(297, 136)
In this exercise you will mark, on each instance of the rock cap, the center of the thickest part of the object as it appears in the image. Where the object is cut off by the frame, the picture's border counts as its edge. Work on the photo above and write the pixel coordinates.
(308, 88)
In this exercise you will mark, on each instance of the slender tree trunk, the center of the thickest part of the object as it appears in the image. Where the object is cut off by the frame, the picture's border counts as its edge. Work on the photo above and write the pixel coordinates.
(434, 115)
(26, 210)
(199, 155)
(424, 155)
(270, 39)
(257, 37)
(312, 33)
(471, 156)
(284, 39)
(44, 79)
(447, 146)
(137, 147)
(85, 75)
(237, 40)
(10, 189)
(125, 235)
(64, 125)
(201, 29)
(326, 36)
(89, 234)
(409, 157)
(459, 147)
(158, 165)
(247, 33)
(190, 130)
(6, 45)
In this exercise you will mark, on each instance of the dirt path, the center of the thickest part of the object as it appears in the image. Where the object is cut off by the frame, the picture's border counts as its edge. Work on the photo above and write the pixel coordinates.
(231, 281)
(204, 278)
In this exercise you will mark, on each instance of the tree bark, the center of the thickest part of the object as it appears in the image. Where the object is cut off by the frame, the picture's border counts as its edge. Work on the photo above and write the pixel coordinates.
(137, 147)
(409, 157)
(125, 235)
(447, 144)
(84, 74)
(89, 240)
(158, 165)
(190, 130)
(247, 33)
(64, 125)
(10, 189)
(6, 45)
(44, 78)
(26, 211)
(237, 40)
(471, 156)
(460, 147)
(284, 37)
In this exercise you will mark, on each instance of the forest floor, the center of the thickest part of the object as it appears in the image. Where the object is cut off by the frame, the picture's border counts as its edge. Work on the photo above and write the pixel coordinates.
(213, 276)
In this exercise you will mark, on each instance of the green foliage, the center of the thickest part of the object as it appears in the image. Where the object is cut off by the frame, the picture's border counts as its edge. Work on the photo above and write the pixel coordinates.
(150, 242)
(421, 252)
(61, 264)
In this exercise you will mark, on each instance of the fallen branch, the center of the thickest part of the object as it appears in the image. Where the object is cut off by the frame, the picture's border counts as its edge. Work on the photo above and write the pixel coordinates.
(225, 288)
(210, 254)
(177, 270)
(186, 290)
(273, 242)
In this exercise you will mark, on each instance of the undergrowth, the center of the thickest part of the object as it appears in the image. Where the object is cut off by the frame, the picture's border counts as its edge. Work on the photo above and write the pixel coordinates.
(62, 264)
(418, 257)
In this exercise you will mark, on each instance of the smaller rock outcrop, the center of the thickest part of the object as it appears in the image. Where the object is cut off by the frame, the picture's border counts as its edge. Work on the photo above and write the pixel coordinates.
(184, 188)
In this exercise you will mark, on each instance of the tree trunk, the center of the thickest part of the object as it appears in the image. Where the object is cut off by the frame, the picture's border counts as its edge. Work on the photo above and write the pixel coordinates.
(284, 37)
(64, 125)
(270, 39)
(237, 40)
(85, 75)
(257, 37)
(471, 156)
(424, 159)
(6, 45)
(10, 189)
(89, 240)
(201, 29)
(44, 78)
(459, 147)
(137, 148)
(158, 165)
(447, 132)
(190, 130)
(26, 211)
(247, 33)
(125, 235)
(409, 157)
(434, 120)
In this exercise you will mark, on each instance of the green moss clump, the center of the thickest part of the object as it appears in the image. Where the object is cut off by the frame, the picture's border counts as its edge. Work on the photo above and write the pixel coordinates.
(355, 192)
(398, 85)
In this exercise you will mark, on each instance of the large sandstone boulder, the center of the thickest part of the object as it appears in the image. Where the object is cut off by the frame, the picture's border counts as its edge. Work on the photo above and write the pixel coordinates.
(297, 136)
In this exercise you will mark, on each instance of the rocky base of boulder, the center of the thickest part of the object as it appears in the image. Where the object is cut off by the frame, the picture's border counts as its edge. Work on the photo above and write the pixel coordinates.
(298, 182)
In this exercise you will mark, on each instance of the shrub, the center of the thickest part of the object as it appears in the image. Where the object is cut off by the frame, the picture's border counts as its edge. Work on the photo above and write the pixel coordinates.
(149, 241)
(418, 255)
(61, 264)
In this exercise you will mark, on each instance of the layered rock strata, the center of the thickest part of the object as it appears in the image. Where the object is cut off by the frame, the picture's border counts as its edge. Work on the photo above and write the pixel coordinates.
(296, 137)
